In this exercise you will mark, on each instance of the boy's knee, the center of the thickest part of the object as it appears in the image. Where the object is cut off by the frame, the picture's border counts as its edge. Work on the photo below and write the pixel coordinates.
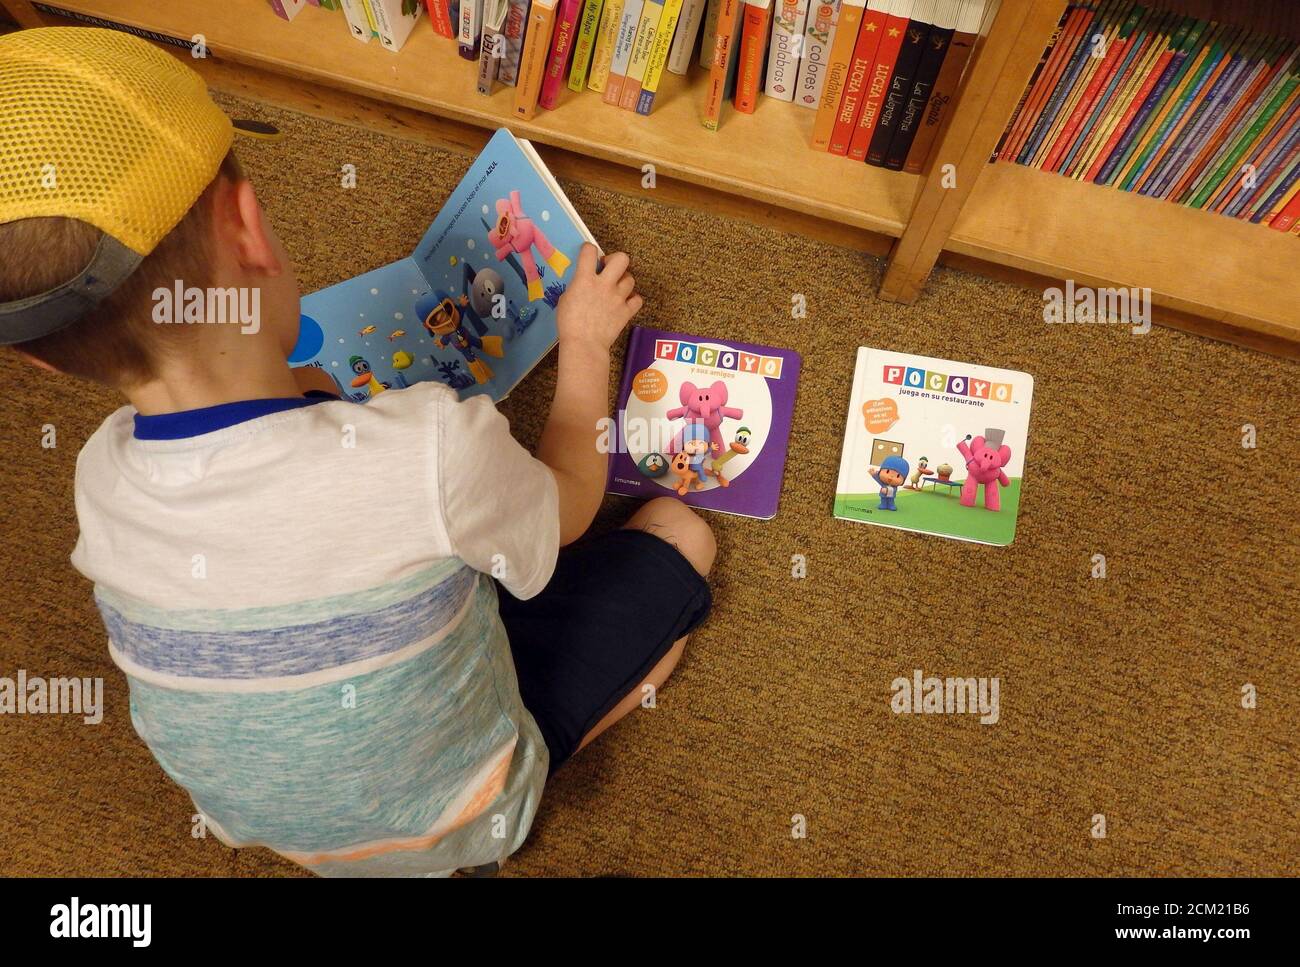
(679, 525)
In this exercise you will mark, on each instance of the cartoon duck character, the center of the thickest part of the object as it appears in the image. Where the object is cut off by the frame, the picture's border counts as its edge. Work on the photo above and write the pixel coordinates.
(402, 359)
(922, 470)
(440, 315)
(365, 379)
(890, 475)
(739, 447)
(681, 467)
(517, 234)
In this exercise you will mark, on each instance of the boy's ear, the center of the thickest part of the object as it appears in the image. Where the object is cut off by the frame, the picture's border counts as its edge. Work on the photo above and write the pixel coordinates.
(242, 228)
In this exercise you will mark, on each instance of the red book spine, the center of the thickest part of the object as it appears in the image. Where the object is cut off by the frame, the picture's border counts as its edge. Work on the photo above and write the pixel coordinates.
(440, 17)
(566, 28)
(855, 83)
(753, 42)
(1287, 217)
(1134, 106)
(877, 85)
(1047, 81)
(1100, 78)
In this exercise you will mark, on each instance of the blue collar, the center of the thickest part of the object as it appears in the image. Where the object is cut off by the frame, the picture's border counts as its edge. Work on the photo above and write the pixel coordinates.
(188, 423)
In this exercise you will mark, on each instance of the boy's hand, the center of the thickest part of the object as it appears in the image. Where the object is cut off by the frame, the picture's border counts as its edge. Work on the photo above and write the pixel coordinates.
(597, 305)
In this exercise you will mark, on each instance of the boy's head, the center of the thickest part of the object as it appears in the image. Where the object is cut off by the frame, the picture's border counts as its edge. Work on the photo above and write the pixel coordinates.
(893, 471)
(117, 184)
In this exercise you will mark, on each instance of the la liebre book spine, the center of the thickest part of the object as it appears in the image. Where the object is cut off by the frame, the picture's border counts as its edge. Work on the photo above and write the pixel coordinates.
(682, 50)
(900, 83)
(838, 57)
(659, 56)
(723, 42)
(945, 85)
(934, 49)
(874, 16)
(512, 32)
(623, 41)
(789, 17)
(588, 25)
(566, 28)
(753, 44)
(652, 12)
(603, 53)
(818, 35)
(878, 77)
(532, 65)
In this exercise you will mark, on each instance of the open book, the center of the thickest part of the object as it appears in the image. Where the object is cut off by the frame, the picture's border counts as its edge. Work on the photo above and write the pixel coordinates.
(473, 305)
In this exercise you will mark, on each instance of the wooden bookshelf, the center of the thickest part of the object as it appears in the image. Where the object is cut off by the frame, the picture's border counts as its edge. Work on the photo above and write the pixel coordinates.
(1207, 273)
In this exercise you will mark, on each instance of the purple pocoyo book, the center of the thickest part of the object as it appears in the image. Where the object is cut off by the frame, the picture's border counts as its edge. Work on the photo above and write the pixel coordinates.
(705, 420)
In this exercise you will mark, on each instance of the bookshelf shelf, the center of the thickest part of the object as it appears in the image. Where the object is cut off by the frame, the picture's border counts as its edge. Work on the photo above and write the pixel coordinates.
(1208, 273)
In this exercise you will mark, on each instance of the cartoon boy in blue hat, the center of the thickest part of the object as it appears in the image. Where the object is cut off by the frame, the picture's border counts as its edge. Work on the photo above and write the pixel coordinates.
(695, 443)
(441, 316)
(890, 475)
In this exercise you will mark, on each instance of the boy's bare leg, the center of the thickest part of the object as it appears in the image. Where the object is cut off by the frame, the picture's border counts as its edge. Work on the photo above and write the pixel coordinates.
(681, 527)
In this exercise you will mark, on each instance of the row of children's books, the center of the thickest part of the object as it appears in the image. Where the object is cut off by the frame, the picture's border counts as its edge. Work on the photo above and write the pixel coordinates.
(1145, 99)
(879, 73)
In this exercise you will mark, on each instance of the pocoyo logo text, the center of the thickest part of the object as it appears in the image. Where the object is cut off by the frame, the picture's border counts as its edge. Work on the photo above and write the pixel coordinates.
(718, 357)
(971, 386)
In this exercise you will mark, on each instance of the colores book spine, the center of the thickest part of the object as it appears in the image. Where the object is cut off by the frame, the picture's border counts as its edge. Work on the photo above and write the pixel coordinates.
(723, 45)
(789, 18)
(532, 65)
(900, 83)
(651, 13)
(395, 19)
(566, 29)
(513, 45)
(623, 40)
(688, 29)
(659, 56)
(838, 58)
(606, 37)
(933, 53)
(945, 85)
(753, 43)
(471, 28)
(358, 25)
(878, 77)
(440, 17)
(588, 25)
(819, 33)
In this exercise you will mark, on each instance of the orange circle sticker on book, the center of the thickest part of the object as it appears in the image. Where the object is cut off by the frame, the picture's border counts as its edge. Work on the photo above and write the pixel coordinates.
(879, 415)
(650, 385)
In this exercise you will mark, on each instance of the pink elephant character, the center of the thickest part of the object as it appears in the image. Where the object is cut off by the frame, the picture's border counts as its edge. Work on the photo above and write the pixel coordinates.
(706, 405)
(984, 462)
(517, 234)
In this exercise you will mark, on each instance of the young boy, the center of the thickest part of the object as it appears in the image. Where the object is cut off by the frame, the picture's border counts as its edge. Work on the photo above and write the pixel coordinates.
(296, 586)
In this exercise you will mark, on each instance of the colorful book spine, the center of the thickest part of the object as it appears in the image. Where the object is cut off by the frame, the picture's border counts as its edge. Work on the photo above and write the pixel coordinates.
(439, 16)
(626, 37)
(878, 77)
(489, 61)
(588, 25)
(723, 42)
(688, 29)
(710, 30)
(838, 57)
(788, 21)
(652, 12)
(557, 64)
(754, 32)
(659, 56)
(513, 49)
(818, 36)
(470, 30)
(532, 65)
(606, 37)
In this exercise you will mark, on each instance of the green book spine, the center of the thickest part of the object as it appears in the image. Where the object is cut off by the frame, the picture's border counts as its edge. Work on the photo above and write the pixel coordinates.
(585, 43)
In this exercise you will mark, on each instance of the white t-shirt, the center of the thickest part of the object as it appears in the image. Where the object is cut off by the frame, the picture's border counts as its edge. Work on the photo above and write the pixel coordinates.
(300, 604)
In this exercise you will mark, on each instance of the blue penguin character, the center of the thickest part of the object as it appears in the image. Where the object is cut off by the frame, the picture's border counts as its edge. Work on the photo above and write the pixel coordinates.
(890, 475)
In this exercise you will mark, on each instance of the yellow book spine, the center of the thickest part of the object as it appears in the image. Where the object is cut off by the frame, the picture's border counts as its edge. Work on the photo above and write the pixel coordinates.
(663, 43)
(604, 53)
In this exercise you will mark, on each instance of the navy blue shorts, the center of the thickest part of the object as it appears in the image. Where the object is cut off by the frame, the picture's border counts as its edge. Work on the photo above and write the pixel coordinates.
(612, 610)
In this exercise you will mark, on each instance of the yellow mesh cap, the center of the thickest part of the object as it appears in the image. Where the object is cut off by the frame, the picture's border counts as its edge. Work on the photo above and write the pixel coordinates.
(103, 127)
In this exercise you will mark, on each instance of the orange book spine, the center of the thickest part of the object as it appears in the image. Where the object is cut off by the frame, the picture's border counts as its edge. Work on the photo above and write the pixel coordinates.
(721, 41)
(855, 80)
(753, 44)
(532, 64)
(837, 69)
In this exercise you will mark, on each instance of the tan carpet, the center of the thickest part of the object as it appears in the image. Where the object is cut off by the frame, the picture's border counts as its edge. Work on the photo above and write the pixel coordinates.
(1119, 696)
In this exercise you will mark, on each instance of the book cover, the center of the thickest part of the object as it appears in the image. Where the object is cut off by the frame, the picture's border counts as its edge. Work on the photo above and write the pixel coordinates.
(489, 61)
(933, 53)
(705, 419)
(900, 82)
(473, 306)
(723, 44)
(622, 56)
(395, 19)
(358, 24)
(838, 58)
(588, 24)
(877, 82)
(557, 64)
(652, 12)
(688, 29)
(789, 18)
(606, 37)
(659, 56)
(532, 62)
(513, 43)
(934, 446)
(818, 35)
(945, 85)
(753, 45)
